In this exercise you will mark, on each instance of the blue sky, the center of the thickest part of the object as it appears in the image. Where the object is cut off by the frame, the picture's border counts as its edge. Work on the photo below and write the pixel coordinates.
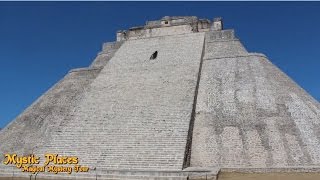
(41, 41)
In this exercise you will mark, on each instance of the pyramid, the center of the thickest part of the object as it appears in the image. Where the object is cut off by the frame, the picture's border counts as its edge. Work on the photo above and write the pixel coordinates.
(177, 98)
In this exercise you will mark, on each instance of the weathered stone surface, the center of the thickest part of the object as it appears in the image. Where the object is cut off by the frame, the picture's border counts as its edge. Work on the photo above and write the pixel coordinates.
(250, 114)
(108, 51)
(201, 101)
(136, 114)
(35, 125)
(167, 26)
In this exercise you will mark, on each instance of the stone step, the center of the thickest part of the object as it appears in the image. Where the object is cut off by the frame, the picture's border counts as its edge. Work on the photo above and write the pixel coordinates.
(110, 174)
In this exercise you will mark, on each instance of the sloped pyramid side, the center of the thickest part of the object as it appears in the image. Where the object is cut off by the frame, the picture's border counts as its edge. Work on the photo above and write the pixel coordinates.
(133, 114)
(250, 114)
(136, 114)
(33, 128)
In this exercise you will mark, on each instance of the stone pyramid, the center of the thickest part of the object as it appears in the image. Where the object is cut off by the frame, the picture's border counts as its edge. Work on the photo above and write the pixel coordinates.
(176, 98)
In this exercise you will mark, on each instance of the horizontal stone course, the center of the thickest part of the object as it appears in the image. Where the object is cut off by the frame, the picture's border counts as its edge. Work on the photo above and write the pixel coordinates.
(250, 114)
(137, 111)
(34, 126)
(130, 114)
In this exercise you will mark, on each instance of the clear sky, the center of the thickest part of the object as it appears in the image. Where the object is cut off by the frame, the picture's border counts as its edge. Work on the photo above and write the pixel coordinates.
(41, 41)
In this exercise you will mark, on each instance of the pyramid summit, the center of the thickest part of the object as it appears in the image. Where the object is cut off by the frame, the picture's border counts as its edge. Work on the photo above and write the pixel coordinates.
(177, 98)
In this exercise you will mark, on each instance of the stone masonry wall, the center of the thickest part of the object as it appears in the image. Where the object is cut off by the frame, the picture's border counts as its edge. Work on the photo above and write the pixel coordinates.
(33, 128)
(108, 50)
(156, 32)
(128, 112)
(250, 114)
(137, 112)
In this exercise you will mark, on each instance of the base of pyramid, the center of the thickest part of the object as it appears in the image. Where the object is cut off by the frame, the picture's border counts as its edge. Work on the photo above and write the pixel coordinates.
(191, 173)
